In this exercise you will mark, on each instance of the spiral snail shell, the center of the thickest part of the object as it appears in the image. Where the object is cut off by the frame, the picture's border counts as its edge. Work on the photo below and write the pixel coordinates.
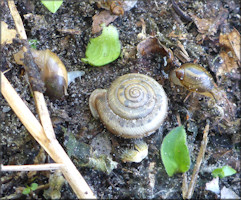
(134, 106)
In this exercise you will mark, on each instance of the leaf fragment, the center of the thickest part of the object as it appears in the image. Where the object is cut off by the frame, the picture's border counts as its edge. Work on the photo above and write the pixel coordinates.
(223, 172)
(174, 152)
(103, 49)
(53, 5)
(104, 17)
(34, 186)
(230, 52)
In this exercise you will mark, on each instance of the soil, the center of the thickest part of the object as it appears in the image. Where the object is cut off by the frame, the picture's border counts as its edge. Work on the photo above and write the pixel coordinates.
(148, 178)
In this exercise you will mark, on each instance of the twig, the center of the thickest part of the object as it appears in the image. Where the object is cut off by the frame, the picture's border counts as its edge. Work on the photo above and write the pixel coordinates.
(38, 167)
(52, 147)
(178, 119)
(184, 185)
(198, 163)
(38, 96)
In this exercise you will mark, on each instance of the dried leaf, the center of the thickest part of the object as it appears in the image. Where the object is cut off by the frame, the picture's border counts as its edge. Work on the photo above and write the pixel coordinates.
(104, 17)
(231, 51)
(111, 5)
(202, 24)
(234, 39)
(228, 63)
(180, 36)
(7, 35)
(210, 26)
(150, 45)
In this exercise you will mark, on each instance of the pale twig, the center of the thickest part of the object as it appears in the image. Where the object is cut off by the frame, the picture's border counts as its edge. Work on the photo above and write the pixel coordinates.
(184, 185)
(201, 153)
(38, 167)
(38, 96)
(178, 119)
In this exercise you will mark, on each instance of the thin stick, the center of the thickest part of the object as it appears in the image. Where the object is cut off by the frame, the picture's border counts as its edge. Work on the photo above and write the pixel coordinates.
(198, 163)
(184, 180)
(44, 115)
(39, 98)
(17, 20)
(178, 119)
(38, 167)
(184, 185)
(52, 147)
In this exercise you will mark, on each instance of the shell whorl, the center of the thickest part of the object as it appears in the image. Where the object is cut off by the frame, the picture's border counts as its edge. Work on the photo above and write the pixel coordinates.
(134, 106)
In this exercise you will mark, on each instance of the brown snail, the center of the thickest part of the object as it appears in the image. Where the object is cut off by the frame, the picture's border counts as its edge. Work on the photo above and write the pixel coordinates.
(53, 71)
(134, 106)
(196, 79)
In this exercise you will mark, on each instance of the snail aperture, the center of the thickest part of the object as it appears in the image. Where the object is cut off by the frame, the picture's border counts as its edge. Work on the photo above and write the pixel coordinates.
(134, 106)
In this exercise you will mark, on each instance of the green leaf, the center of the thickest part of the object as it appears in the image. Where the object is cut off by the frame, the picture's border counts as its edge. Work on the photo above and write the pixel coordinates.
(53, 5)
(33, 43)
(104, 48)
(174, 152)
(34, 186)
(223, 172)
(26, 190)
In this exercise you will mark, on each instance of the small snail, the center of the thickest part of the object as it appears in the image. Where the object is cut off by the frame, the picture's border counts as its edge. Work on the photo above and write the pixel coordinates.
(134, 106)
(136, 154)
(53, 71)
(196, 79)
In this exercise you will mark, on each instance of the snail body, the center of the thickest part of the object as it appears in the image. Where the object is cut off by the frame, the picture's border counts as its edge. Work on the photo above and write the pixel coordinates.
(134, 106)
(196, 79)
(52, 70)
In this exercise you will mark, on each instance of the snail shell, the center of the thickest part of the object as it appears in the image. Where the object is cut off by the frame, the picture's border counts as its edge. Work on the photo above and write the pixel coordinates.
(134, 106)
(195, 78)
(52, 70)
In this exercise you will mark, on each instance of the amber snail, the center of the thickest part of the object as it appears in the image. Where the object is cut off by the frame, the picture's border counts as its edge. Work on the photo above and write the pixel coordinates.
(53, 71)
(196, 78)
(134, 106)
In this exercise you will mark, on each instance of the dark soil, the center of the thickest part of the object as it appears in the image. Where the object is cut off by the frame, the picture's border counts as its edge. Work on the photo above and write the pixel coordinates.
(129, 180)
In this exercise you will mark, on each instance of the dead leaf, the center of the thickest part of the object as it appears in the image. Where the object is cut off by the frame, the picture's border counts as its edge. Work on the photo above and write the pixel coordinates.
(230, 53)
(149, 45)
(117, 7)
(228, 64)
(234, 39)
(104, 17)
(180, 36)
(202, 24)
(152, 45)
(7, 35)
(210, 26)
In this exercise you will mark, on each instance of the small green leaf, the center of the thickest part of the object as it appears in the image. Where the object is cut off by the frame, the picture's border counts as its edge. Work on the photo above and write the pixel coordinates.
(33, 43)
(26, 190)
(34, 186)
(52, 5)
(174, 152)
(223, 172)
(103, 49)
